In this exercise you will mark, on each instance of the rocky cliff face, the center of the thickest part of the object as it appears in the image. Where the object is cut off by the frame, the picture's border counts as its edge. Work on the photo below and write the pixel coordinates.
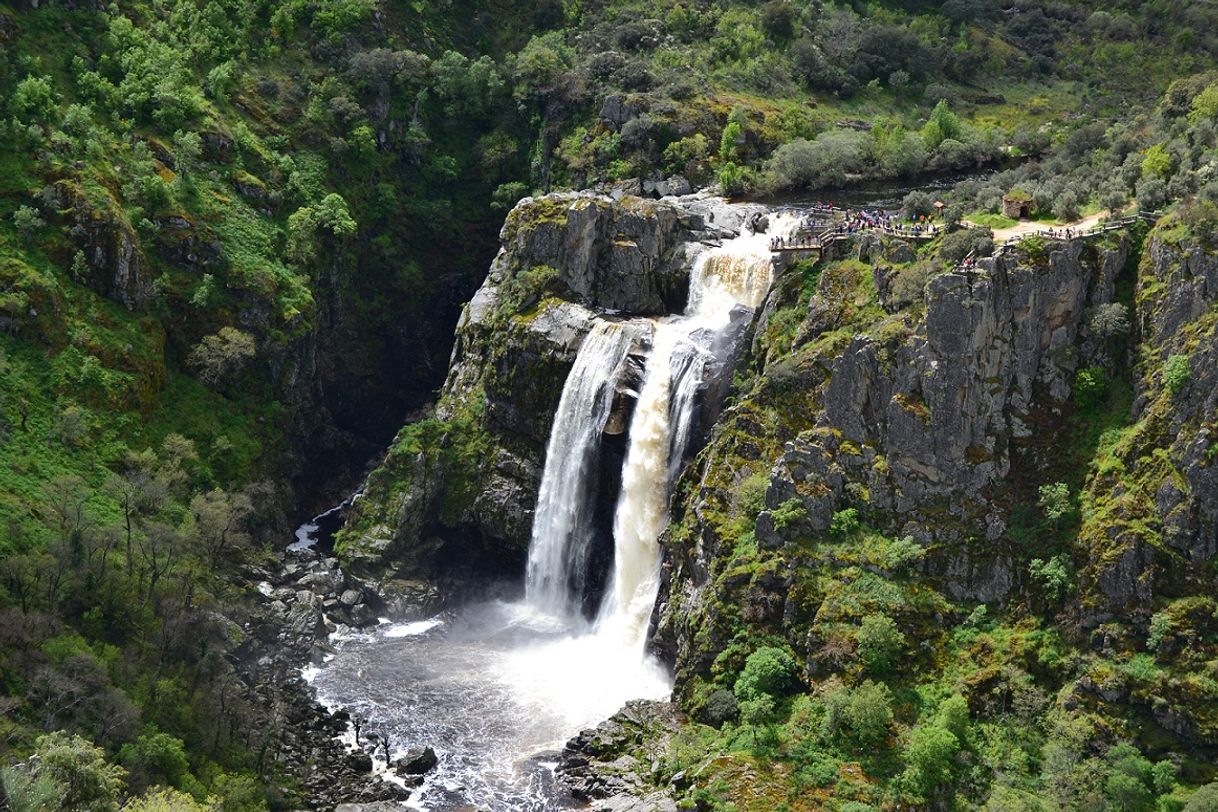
(467, 478)
(939, 424)
(916, 420)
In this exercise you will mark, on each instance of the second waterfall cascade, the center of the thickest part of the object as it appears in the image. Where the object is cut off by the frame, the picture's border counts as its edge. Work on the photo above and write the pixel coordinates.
(724, 281)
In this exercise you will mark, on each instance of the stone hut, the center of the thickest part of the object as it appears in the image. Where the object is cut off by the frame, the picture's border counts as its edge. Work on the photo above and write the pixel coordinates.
(1017, 204)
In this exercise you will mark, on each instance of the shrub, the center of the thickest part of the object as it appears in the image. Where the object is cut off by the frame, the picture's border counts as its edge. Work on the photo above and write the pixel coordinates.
(27, 220)
(1161, 625)
(721, 706)
(1090, 387)
(864, 713)
(844, 522)
(903, 552)
(768, 670)
(909, 283)
(750, 496)
(789, 514)
(1054, 501)
(1176, 373)
(879, 642)
(1054, 576)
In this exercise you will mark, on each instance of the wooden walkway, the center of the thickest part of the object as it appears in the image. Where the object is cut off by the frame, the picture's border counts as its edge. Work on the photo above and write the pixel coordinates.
(840, 233)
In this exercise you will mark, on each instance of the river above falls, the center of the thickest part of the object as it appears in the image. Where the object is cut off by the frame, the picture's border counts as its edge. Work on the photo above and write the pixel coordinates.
(495, 689)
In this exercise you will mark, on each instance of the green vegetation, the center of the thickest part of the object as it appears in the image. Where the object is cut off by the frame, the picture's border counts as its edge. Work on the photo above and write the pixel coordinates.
(225, 224)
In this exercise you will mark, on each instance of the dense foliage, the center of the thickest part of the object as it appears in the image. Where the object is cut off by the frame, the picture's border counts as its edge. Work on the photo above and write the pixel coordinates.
(233, 238)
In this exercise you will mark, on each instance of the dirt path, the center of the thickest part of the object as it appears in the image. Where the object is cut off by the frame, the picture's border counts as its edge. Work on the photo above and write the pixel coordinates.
(1025, 227)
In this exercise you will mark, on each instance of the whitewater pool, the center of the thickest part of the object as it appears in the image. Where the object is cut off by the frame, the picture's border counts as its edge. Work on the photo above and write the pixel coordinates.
(495, 689)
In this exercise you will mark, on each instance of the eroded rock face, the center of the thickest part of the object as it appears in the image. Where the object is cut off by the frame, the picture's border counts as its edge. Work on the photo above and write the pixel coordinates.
(565, 259)
(109, 245)
(1160, 509)
(918, 420)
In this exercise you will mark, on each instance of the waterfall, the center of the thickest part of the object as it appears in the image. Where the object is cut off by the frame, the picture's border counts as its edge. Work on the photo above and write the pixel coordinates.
(683, 348)
(562, 523)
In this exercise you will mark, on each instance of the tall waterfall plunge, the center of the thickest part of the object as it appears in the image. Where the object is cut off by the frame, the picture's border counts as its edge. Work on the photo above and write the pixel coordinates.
(562, 531)
(495, 683)
(685, 350)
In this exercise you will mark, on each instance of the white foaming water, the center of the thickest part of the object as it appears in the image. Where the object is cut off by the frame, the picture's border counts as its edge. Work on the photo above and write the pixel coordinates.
(737, 273)
(498, 683)
(562, 524)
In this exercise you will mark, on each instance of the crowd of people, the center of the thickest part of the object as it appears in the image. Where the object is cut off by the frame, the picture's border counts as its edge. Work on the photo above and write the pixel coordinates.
(830, 221)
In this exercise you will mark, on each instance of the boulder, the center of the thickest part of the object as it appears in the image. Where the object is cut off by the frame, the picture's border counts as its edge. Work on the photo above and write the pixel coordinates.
(416, 761)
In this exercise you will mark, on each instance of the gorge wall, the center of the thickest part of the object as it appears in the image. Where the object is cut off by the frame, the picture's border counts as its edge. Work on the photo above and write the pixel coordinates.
(875, 455)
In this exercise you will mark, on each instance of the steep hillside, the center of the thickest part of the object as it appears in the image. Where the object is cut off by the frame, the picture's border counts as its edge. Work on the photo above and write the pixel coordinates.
(235, 240)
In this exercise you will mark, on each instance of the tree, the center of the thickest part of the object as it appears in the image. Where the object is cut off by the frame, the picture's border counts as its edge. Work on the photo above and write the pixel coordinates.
(27, 221)
(1065, 208)
(188, 153)
(33, 98)
(156, 758)
(918, 204)
(164, 799)
(768, 670)
(30, 792)
(1109, 320)
(221, 356)
(733, 134)
(1054, 501)
(816, 164)
(88, 783)
(540, 66)
(721, 706)
(507, 195)
(929, 758)
(879, 642)
(757, 712)
(1205, 105)
(1158, 162)
(331, 214)
(220, 525)
(864, 713)
(1054, 576)
(778, 21)
(941, 125)
(1204, 799)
